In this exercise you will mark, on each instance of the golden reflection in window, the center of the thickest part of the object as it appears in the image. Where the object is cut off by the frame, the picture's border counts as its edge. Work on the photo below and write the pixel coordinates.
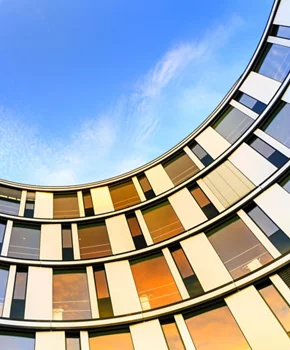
(216, 330)
(114, 341)
(124, 195)
(278, 305)
(154, 282)
(71, 296)
(239, 249)
(103, 295)
(94, 241)
(162, 222)
(65, 205)
(172, 336)
(73, 343)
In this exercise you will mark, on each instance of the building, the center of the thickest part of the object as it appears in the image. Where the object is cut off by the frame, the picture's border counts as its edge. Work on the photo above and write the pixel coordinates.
(190, 251)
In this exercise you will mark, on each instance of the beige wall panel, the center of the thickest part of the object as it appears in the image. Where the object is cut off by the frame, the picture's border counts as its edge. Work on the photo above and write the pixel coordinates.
(139, 189)
(50, 341)
(43, 205)
(144, 228)
(75, 241)
(148, 335)
(260, 87)
(254, 166)
(283, 14)
(92, 292)
(286, 96)
(9, 292)
(38, 305)
(281, 287)
(6, 238)
(81, 204)
(187, 209)
(122, 288)
(159, 180)
(102, 200)
(119, 234)
(205, 262)
(51, 242)
(184, 332)
(193, 157)
(22, 203)
(212, 142)
(84, 340)
(257, 322)
(279, 212)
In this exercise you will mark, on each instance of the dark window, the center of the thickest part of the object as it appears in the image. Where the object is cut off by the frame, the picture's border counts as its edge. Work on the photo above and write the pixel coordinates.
(250, 102)
(277, 237)
(146, 187)
(72, 341)
(281, 31)
(29, 205)
(9, 200)
(284, 273)
(286, 185)
(201, 154)
(172, 336)
(16, 341)
(67, 246)
(124, 195)
(270, 153)
(2, 231)
(275, 63)
(114, 340)
(205, 204)
(103, 294)
(3, 285)
(232, 124)
(19, 294)
(88, 203)
(136, 232)
(65, 205)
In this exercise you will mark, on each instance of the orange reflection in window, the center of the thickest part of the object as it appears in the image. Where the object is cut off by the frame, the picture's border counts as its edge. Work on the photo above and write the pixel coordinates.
(154, 282)
(65, 205)
(216, 330)
(124, 195)
(172, 336)
(116, 341)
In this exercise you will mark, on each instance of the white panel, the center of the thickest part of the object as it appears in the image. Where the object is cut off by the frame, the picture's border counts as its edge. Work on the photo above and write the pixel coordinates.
(256, 320)
(184, 332)
(43, 205)
(273, 142)
(22, 203)
(139, 189)
(143, 227)
(51, 242)
(122, 288)
(278, 41)
(244, 109)
(38, 305)
(81, 204)
(187, 209)
(84, 340)
(205, 262)
(281, 287)
(92, 292)
(260, 87)
(159, 180)
(6, 238)
(75, 241)
(283, 14)
(50, 340)
(119, 234)
(252, 164)
(102, 200)
(9, 291)
(212, 142)
(286, 96)
(148, 335)
(279, 212)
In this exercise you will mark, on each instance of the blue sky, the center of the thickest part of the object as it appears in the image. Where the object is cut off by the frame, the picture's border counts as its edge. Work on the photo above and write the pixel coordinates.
(90, 89)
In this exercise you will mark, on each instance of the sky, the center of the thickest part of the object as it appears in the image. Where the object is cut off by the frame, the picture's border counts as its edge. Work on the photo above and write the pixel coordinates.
(91, 89)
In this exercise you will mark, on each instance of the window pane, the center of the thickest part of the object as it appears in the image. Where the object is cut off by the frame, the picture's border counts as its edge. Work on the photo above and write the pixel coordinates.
(201, 154)
(180, 168)
(71, 296)
(124, 195)
(73, 344)
(162, 222)
(88, 203)
(94, 241)
(250, 102)
(154, 282)
(103, 295)
(24, 242)
(172, 336)
(286, 186)
(2, 231)
(16, 342)
(3, 284)
(65, 205)
(239, 249)
(216, 330)
(8, 206)
(121, 340)
(283, 32)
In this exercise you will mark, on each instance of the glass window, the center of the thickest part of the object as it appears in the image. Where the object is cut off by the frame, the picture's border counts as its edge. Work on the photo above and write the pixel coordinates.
(279, 125)
(180, 168)
(172, 335)
(71, 296)
(24, 242)
(162, 222)
(154, 282)
(286, 185)
(276, 62)
(65, 205)
(19, 294)
(94, 240)
(67, 246)
(146, 187)
(201, 154)
(277, 237)
(120, 339)
(238, 248)
(281, 31)
(250, 102)
(9, 200)
(136, 232)
(216, 329)
(3, 284)
(103, 294)
(232, 124)
(16, 341)
(124, 195)
(278, 305)
(72, 342)
(2, 231)
(206, 206)
(29, 205)
(88, 203)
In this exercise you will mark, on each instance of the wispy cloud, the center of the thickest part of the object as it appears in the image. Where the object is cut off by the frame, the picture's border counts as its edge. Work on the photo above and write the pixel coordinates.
(166, 104)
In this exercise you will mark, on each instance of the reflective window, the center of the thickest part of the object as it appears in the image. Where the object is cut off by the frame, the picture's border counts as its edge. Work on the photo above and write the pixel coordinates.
(201, 154)
(120, 339)
(216, 330)
(71, 296)
(206, 206)
(94, 240)
(67, 246)
(103, 294)
(275, 63)
(286, 185)
(278, 305)
(154, 282)
(279, 125)
(238, 248)
(9, 200)
(146, 187)
(250, 102)
(29, 205)
(65, 205)
(3, 284)
(24, 242)
(72, 342)
(277, 237)
(232, 124)
(88, 203)
(2, 231)
(124, 195)
(180, 168)
(136, 232)
(19, 294)
(281, 31)
(284, 273)
(14, 341)
(172, 335)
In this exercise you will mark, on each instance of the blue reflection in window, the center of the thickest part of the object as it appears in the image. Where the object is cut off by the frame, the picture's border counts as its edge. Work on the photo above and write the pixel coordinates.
(15, 342)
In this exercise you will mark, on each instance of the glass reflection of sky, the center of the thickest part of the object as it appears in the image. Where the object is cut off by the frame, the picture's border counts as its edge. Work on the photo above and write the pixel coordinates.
(9, 342)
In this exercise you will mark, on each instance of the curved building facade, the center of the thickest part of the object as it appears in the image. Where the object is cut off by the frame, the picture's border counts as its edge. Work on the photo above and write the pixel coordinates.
(190, 251)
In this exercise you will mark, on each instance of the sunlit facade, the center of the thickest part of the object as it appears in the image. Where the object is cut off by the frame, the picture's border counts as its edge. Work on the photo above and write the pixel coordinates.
(190, 251)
